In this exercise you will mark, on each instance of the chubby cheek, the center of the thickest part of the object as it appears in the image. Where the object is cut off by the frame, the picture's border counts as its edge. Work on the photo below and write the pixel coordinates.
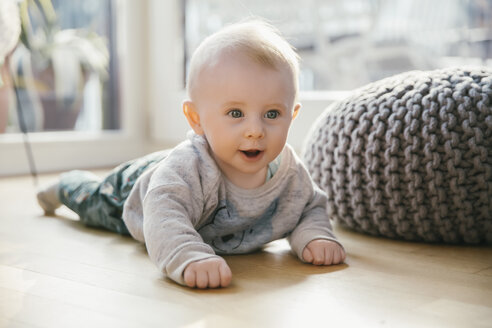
(278, 138)
(213, 131)
(221, 144)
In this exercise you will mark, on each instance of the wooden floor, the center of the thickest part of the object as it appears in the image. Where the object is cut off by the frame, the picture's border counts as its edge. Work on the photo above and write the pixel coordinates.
(57, 273)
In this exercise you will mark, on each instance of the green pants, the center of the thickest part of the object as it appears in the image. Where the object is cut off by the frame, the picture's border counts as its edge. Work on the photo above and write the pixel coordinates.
(99, 202)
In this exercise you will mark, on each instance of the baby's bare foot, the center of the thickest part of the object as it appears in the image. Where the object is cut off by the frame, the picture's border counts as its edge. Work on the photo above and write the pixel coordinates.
(48, 198)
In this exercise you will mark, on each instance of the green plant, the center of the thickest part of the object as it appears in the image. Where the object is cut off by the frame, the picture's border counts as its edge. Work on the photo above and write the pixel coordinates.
(54, 65)
(42, 35)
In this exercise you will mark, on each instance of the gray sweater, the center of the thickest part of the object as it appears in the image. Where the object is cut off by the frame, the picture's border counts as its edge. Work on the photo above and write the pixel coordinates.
(185, 210)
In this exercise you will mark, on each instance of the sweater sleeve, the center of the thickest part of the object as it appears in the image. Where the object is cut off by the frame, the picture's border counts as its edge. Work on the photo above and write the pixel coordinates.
(171, 239)
(313, 224)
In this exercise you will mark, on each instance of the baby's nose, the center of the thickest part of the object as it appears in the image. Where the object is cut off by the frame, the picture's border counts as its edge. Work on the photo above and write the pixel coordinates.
(254, 130)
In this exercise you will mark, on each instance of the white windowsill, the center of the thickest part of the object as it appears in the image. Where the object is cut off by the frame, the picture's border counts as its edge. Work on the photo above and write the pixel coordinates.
(62, 150)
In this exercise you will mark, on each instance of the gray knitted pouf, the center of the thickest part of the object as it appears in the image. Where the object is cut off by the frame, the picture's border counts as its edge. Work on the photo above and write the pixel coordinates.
(410, 157)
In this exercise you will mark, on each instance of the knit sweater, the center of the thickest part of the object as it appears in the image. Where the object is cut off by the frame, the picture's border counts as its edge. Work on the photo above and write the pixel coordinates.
(185, 210)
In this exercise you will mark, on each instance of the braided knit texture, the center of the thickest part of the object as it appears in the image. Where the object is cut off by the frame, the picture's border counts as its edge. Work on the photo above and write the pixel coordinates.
(410, 157)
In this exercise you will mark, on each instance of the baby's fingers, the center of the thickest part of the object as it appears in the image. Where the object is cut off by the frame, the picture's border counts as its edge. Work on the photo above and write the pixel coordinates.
(202, 279)
(320, 256)
(307, 255)
(208, 273)
(329, 256)
(190, 278)
(225, 275)
(339, 256)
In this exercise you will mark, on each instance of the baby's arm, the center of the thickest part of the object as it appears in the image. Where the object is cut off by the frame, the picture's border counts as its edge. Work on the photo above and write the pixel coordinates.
(323, 252)
(209, 273)
(313, 240)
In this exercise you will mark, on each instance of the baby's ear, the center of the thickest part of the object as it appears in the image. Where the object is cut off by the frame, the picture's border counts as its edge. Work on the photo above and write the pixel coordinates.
(192, 116)
(296, 110)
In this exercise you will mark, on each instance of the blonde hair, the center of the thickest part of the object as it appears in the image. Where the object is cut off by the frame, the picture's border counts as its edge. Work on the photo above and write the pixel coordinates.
(255, 38)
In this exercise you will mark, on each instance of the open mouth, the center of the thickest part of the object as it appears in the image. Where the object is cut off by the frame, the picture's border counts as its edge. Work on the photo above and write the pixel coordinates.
(251, 153)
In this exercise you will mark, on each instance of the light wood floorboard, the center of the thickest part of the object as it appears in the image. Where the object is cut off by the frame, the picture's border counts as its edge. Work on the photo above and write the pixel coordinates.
(55, 272)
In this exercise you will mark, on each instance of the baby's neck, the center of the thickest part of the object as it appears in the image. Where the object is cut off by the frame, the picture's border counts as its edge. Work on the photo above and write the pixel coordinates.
(248, 181)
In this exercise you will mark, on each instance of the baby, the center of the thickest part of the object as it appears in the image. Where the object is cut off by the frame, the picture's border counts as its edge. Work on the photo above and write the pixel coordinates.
(233, 185)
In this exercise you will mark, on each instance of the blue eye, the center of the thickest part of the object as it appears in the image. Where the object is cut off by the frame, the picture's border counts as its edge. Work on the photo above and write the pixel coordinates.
(272, 114)
(235, 113)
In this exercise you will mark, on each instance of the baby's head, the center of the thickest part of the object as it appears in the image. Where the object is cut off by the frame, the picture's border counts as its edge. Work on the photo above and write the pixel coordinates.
(242, 87)
(256, 39)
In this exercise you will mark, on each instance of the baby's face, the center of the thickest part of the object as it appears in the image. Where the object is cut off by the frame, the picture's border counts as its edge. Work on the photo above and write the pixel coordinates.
(245, 110)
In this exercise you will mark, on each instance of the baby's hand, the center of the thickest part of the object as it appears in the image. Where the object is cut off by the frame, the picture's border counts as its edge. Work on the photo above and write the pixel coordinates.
(323, 252)
(212, 273)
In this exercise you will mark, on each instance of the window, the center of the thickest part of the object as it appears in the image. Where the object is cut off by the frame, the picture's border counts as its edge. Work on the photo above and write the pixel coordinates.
(346, 44)
(343, 45)
(111, 125)
(65, 69)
